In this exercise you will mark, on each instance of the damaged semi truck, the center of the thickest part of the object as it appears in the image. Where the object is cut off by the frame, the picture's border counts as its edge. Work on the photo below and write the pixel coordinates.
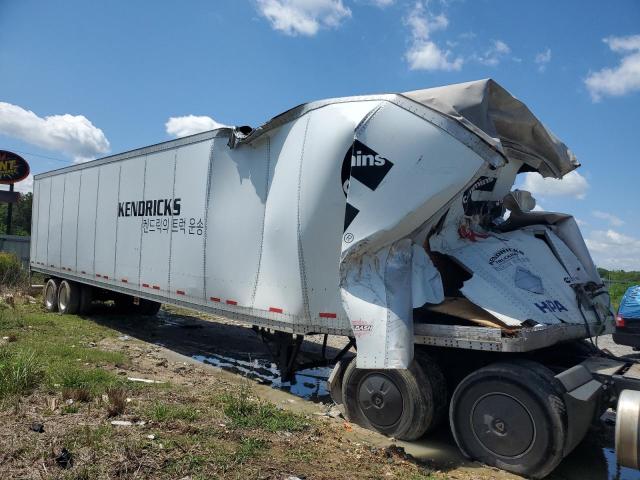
(388, 219)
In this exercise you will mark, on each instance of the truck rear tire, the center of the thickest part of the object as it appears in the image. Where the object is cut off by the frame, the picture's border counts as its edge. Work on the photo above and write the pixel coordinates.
(400, 403)
(510, 416)
(50, 295)
(68, 297)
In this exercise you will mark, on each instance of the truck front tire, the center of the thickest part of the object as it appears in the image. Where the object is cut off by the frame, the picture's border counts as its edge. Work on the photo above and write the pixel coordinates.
(511, 416)
(68, 297)
(50, 295)
(404, 404)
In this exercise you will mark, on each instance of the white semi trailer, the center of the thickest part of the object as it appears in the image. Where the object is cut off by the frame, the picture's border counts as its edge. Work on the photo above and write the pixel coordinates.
(380, 218)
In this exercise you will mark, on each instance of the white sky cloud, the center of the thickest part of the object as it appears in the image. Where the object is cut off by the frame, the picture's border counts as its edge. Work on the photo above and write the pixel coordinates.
(609, 217)
(424, 53)
(571, 185)
(190, 125)
(614, 250)
(380, 3)
(619, 80)
(303, 17)
(542, 59)
(494, 54)
(25, 186)
(73, 135)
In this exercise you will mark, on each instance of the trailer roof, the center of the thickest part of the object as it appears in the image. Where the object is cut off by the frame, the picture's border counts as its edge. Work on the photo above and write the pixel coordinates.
(482, 107)
(491, 112)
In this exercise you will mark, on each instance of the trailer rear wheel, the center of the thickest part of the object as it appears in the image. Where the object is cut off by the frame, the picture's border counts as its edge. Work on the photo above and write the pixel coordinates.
(68, 297)
(511, 416)
(50, 295)
(398, 403)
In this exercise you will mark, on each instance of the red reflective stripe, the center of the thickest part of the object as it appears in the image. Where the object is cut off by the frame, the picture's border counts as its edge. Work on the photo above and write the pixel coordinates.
(106, 277)
(180, 292)
(156, 287)
(231, 302)
(124, 280)
(327, 315)
(98, 275)
(214, 299)
(83, 272)
(145, 285)
(275, 310)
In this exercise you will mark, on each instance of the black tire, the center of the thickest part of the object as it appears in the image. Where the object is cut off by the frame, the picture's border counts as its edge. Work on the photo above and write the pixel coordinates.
(397, 403)
(148, 307)
(511, 416)
(68, 297)
(439, 388)
(86, 297)
(50, 295)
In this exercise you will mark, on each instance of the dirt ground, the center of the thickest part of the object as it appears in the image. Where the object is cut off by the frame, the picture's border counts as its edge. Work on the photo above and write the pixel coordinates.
(198, 356)
(225, 345)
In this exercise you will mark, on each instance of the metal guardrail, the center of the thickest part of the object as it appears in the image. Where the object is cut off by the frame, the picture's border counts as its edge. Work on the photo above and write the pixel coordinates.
(17, 245)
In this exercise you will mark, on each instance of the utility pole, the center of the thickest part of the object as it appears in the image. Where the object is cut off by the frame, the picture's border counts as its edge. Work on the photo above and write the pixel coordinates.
(9, 212)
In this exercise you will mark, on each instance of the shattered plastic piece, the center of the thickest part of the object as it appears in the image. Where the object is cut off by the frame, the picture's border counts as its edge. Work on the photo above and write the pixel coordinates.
(121, 423)
(65, 459)
(143, 380)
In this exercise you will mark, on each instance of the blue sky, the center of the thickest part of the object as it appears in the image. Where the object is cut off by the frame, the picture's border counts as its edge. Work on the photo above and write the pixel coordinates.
(83, 79)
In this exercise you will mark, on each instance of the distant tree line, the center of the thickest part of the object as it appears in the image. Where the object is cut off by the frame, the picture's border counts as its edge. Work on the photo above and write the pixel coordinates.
(619, 281)
(21, 224)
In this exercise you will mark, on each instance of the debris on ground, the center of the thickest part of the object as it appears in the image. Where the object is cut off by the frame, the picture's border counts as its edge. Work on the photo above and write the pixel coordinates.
(143, 380)
(64, 459)
(37, 427)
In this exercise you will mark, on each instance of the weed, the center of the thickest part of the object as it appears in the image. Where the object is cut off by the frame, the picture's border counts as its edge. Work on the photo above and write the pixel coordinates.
(95, 381)
(69, 409)
(11, 271)
(77, 394)
(20, 372)
(249, 447)
(117, 401)
(246, 412)
(163, 412)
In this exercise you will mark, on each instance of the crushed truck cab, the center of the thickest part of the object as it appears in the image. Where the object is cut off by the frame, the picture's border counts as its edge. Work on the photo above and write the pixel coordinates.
(391, 220)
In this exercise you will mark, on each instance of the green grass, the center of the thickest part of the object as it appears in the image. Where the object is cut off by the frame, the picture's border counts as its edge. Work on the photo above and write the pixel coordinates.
(164, 412)
(249, 447)
(20, 372)
(53, 351)
(246, 412)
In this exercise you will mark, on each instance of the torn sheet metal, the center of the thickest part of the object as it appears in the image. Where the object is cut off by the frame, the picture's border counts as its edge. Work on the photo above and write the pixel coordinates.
(493, 113)
(379, 292)
(517, 278)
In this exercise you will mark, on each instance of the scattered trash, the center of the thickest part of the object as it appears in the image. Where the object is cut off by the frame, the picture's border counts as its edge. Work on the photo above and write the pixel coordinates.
(92, 344)
(292, 477)
(333, 412)
(37, 427)
(347, 426)
(141, 423)
(69, 401)
(163, 363)
(151, 436)
(121, 423)
(124, 338)
(143, 380)
(65, 459)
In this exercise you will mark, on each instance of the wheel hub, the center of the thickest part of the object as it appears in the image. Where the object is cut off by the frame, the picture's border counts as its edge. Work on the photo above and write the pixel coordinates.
(503, 425)
(380, 399)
